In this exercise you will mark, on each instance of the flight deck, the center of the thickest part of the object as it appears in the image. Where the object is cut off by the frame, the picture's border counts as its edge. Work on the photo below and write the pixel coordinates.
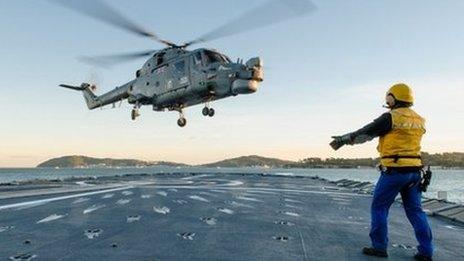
(202, 217)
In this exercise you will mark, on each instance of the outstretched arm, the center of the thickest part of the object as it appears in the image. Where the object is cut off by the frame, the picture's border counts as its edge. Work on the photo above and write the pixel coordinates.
(379, 127)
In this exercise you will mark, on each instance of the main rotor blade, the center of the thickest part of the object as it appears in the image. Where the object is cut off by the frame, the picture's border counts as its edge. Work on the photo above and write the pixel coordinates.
(99, 10)
(108, 60)
(271, 12)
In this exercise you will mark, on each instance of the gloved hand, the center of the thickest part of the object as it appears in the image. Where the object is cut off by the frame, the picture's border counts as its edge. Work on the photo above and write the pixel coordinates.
(339, 141)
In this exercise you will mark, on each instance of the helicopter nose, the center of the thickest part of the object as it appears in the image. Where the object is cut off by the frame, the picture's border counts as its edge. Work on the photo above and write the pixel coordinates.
(249, 78)
(241, 86)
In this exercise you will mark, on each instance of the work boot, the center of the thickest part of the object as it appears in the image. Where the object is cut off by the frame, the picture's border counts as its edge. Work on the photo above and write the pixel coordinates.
(422, 257)
(370, 251)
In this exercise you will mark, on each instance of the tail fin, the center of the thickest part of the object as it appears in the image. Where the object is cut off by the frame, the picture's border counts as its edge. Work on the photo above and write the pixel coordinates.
(90, 98)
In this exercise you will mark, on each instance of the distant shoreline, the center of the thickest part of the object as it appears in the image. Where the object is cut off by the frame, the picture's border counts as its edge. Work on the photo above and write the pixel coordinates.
(200, 166)
(453, 160)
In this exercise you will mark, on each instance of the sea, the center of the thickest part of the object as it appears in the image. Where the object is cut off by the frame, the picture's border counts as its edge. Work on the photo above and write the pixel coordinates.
(450, 181)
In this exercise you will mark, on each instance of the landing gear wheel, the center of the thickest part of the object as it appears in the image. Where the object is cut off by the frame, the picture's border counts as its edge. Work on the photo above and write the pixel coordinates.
(205, 111)
(181, 122)
(211, 112)
(135, 111)
(134, 114)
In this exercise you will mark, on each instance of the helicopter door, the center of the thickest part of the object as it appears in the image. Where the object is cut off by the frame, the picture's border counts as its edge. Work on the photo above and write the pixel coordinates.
(180, 74)
(197, 73)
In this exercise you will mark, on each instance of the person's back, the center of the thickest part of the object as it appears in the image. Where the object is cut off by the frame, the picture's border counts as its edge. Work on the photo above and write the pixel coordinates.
(403, 140)
(400, 133)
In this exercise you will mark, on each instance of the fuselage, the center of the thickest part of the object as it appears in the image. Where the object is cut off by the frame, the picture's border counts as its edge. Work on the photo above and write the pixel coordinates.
(176, 78)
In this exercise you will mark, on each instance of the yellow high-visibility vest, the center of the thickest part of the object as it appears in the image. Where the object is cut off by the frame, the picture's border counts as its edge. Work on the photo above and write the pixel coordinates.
(401, 146)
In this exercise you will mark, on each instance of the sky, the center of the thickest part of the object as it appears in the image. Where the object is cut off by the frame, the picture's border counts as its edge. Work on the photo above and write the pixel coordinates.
(325, 74)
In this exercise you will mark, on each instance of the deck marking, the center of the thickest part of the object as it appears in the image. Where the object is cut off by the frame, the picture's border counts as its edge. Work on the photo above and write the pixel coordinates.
(303, 246)
(5, 228)
(292, 200)
(453, 227)
(206, 193)
(23, 257)
(235, 183)
(218, 191)
(131, 219)
(108, 195)
(293, 214)
(161, 210)
(281, 238)
(196, 176)
(46, 200)
(237, 204)
(162, 193)
(80, 200)
(92, 208)
(123, 201)
(284, 222)
(195, 197)
(248, 199)
(210, 221)
(226, 210)
(93, 233)
(292, 206)
(180, 201)
(186, 235)
(51, 218)
(403, 246)
(83, 183)
(263, 190)
(30, 205)
(127, 192)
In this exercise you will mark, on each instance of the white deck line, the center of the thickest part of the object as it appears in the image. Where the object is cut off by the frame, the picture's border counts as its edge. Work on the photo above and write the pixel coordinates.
(46, 200)
(258, 189)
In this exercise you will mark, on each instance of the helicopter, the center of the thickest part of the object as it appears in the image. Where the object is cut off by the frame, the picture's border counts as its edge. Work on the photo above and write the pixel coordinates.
(174, 78)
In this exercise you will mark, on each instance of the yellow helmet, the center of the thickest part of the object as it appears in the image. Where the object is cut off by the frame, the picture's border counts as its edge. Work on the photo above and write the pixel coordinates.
(401, 92)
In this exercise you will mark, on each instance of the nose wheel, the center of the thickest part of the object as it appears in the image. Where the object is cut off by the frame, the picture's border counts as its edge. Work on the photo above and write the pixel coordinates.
(181, 122)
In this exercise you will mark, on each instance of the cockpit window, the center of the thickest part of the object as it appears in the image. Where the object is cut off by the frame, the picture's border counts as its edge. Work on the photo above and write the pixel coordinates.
(197, 58)
(226, 58)
(213, 57)
(159, 59)
(180, 67)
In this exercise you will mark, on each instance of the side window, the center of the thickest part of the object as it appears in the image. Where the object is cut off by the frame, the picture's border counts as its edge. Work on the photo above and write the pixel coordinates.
(197, 58)
(160, 59)
(180, 67)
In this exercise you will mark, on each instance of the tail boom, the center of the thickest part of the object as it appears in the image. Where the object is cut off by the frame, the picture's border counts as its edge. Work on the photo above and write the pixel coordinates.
(93, 101)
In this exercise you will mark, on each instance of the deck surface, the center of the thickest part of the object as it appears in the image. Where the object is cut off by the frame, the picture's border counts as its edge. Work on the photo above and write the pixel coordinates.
(204, 217)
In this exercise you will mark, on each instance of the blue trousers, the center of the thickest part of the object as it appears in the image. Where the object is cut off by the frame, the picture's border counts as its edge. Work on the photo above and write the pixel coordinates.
(388, 186)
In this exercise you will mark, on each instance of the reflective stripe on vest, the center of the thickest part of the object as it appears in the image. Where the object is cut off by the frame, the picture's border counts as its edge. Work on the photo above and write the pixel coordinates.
(402, 145)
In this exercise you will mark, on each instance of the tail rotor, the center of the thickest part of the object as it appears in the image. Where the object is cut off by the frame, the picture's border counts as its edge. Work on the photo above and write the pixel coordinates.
(90, 98)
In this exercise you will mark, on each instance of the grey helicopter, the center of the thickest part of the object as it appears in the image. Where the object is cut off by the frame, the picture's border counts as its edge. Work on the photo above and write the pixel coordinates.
(174, 78)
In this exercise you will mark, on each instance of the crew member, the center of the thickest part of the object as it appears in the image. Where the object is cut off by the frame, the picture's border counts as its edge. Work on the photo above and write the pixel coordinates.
(400, 131)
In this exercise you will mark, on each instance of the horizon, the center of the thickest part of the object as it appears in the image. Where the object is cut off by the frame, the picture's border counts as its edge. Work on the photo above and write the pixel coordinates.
(206, 163)
(325, 74)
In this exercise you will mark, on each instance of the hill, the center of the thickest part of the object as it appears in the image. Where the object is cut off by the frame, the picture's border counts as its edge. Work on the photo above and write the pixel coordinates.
(84, 161)
(250, 161)
(444, 160)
